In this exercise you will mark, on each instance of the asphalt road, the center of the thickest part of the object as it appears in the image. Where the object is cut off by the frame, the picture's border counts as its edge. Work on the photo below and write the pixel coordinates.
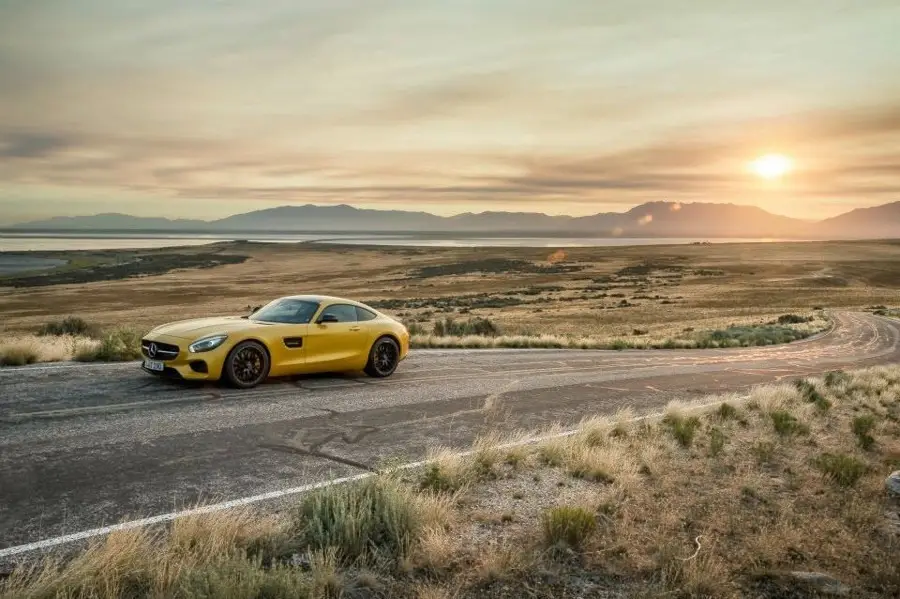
(83, 446)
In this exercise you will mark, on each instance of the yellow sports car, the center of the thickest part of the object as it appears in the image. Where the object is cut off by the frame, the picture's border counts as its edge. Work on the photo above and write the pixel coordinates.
(292, 335)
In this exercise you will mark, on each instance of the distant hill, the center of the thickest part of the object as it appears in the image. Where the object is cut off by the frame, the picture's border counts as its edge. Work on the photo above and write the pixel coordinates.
(653, 219)
(112, 221)
(877, 222)
(670, 219)
(328, 218)
(509, 221)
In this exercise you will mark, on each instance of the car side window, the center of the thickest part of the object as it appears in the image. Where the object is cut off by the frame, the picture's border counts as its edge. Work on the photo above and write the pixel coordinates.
(286, 311)
(343, 312)
(363, 315)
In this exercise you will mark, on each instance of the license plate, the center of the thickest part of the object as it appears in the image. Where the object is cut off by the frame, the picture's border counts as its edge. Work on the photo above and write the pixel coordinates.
(154, 365)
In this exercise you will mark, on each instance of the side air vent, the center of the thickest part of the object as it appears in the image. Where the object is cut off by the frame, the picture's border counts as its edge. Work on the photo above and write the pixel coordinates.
(293, 342)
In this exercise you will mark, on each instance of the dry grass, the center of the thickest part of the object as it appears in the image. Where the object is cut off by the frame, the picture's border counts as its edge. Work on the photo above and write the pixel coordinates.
(621, 508)
(749, 332)
(703, 288)
(19, 350)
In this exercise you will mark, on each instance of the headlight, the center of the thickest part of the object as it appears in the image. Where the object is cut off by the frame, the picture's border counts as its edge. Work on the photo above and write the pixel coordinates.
(207, 343)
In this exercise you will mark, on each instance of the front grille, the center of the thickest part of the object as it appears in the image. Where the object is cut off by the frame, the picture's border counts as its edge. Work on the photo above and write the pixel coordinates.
(164, 351)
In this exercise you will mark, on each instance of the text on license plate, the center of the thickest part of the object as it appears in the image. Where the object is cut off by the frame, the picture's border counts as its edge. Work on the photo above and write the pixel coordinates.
(155, 365)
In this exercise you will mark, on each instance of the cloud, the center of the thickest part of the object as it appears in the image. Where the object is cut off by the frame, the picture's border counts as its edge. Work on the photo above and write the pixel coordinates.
(683, 165)
(32, 145)
(388, 102)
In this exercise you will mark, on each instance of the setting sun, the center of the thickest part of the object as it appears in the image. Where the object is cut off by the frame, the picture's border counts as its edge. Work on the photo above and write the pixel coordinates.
(771, 166)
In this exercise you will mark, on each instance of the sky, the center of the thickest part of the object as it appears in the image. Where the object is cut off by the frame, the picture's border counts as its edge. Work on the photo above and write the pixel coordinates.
(208, 108)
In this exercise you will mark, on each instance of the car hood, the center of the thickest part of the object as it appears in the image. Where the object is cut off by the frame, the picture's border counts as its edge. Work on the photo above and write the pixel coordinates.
(201, 327)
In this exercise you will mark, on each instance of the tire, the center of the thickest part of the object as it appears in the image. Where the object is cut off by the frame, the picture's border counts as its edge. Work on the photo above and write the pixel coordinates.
(247, 365)
(383, 358)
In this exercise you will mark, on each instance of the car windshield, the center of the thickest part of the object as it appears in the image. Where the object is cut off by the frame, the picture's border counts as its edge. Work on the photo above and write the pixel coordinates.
(292, 311)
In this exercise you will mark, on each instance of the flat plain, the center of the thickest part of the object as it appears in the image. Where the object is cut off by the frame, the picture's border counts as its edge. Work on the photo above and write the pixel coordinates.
(646, 293)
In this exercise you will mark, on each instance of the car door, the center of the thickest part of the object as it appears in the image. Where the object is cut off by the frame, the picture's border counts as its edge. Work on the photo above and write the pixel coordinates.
(336, 340)
(285, 325)
(286, 345)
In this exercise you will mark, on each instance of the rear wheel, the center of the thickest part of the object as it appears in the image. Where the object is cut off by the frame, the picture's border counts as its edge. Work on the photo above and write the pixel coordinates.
(383, 358)
(247, 365)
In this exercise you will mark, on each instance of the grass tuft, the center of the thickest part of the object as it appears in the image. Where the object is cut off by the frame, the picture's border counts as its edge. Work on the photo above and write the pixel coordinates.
(764, 452)
(567, 526)
(18, 354)
(727, 411)
(119, 345)
(591, 464)
(447, 472)
(810, 394)
(70, 325)
(862, 426)
(474, 326)
(716, 441)
(238, 577)
(836, 378)
(683, 428)
(373, 518)
(843, 469)
(786, 424)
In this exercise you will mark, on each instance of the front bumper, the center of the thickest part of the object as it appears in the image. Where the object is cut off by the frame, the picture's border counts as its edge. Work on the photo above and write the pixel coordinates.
(178, 362)
(404, 346)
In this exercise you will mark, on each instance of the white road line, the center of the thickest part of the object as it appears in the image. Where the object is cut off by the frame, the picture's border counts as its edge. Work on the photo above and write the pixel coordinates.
(218, 507)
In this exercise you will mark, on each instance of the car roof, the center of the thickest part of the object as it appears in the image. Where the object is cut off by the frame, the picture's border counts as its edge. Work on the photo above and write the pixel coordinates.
(327, 299)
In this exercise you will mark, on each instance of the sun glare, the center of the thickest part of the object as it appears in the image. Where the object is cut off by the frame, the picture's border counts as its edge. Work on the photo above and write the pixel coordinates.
(771, 166)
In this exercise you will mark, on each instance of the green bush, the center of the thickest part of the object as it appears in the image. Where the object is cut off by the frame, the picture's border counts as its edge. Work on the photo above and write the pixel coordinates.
(786, 424)
(374, 517)
(237, 577)
(567, 526)
(683, 429)
(441, 480)
(748, 336)
(835, 378)
(843, 469)
(474, 326)
(415, 328)
(810, 394)
(118, 345)
(764, 451)
(70, 325)
(792, 319)
(716, 442)
(862, 426)
(726, 411)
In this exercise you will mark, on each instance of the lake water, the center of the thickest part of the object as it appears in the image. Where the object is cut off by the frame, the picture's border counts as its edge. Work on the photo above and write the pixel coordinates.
(16, 242)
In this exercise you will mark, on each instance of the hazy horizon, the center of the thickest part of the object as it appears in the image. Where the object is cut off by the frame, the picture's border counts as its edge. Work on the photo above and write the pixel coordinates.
(620, 210)
(204, 110)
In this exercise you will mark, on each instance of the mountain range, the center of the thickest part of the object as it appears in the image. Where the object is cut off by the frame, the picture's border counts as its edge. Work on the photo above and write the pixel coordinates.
(653, 219)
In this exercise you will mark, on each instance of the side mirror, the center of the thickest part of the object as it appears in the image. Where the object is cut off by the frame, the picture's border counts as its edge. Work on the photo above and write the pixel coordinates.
(325, 318)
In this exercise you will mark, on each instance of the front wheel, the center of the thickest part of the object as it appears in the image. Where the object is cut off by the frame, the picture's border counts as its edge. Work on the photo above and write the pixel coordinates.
(383, 358)
(247, 365)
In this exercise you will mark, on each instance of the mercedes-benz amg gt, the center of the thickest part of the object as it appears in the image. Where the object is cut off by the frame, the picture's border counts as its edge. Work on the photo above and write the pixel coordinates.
(291, 335)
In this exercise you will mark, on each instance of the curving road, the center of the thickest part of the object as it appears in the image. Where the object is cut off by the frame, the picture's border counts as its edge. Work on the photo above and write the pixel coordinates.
(83, 446)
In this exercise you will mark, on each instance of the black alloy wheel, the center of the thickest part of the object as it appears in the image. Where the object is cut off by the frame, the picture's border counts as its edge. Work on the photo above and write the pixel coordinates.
(247, 365)
(383, 358)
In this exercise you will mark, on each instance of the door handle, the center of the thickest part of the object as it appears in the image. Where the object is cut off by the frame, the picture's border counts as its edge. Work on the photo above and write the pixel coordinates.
(354, 328)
